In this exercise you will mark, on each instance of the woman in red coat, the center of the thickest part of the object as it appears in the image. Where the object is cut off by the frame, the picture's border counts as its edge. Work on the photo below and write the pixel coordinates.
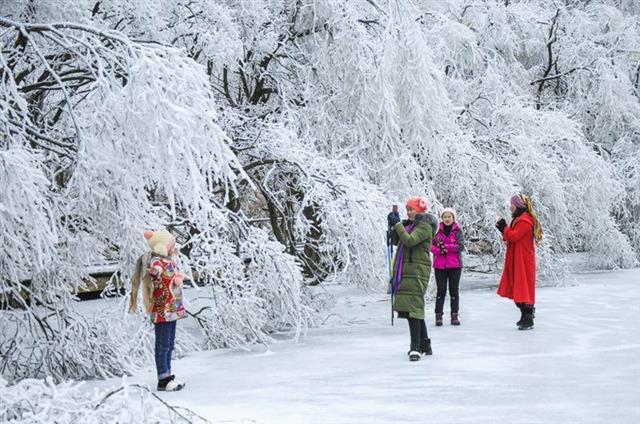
(518, 280)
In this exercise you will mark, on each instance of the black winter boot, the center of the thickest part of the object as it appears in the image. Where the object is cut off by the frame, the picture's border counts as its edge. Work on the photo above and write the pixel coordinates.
(425, 347)
(414, 331)
(520, 306)
(527, 320)
(439, 319)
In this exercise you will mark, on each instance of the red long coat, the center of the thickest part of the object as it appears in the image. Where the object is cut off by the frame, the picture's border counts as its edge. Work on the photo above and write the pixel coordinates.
(518, 280)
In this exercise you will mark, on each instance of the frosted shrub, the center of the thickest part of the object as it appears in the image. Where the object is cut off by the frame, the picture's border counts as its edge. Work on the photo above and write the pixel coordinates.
(34, 401)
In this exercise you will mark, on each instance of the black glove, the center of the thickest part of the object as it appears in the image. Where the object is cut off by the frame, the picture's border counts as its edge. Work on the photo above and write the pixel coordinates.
(501, 225)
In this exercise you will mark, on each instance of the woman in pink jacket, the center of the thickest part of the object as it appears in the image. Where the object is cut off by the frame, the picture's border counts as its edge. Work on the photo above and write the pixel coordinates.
(447, 247)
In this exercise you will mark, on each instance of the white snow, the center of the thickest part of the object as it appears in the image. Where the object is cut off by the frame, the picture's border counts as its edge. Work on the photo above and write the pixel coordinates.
(581, 364)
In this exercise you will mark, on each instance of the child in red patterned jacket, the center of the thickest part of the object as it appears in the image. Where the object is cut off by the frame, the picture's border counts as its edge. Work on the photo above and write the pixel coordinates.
(163, 300)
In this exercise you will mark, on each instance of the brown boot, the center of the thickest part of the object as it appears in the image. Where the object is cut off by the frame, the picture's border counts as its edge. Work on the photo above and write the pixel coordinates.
(439, 320)
(454, 318)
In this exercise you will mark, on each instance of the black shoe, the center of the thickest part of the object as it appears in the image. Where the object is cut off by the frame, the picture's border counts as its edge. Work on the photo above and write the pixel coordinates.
(520, 306)
(523, 308)
(169, 384)
(425, 347)
(526, 323)
(162, 383)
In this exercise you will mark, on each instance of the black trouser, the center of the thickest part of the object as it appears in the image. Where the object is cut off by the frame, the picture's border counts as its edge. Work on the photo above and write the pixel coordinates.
(453, 277)
(418, 331)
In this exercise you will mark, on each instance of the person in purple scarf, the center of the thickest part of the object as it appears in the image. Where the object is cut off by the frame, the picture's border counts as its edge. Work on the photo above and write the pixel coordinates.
(411, 272)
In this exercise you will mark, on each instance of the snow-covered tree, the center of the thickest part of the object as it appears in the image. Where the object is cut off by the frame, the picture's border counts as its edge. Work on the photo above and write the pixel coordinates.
(272, 136)
(104, 137)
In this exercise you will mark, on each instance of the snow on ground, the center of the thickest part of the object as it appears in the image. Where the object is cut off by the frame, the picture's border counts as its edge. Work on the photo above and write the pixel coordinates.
(581, 364)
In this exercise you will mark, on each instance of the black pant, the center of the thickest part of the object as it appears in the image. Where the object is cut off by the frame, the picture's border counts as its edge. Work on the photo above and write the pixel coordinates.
(453, 276)
(418, 332)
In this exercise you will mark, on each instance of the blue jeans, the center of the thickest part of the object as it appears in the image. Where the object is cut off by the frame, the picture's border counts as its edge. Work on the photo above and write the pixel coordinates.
(165, 341)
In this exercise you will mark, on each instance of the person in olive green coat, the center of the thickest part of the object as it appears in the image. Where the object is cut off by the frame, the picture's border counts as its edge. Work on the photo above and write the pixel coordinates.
(412, 270)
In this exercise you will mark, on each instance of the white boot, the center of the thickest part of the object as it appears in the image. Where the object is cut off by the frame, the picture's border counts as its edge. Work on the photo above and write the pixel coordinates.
(172, 385)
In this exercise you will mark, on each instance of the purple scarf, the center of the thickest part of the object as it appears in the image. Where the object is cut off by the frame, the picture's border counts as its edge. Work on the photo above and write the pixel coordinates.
(397, 275)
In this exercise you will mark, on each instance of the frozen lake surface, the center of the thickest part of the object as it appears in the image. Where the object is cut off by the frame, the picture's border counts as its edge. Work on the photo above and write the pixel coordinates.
(581, 364)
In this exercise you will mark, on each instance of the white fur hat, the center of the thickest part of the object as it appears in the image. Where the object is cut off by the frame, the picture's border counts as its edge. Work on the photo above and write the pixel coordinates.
(160, 242)
(451, 211)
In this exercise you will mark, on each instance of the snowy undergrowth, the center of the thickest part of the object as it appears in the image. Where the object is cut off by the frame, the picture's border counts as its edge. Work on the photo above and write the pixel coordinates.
(34, 401)
(80, 345)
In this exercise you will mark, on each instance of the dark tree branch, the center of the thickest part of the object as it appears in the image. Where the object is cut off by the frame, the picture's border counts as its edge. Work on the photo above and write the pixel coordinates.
(551, 61)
